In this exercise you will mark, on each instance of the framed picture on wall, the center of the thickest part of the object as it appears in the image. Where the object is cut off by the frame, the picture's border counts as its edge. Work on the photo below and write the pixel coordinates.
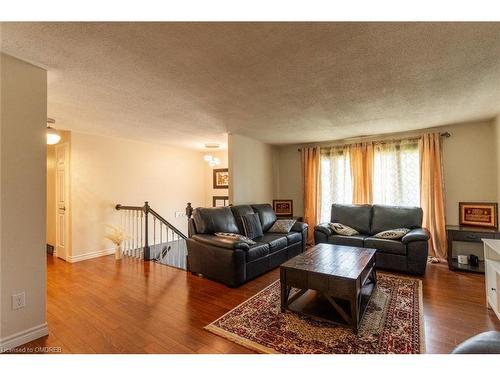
(283, 207)
(221, 178)
(478, 214)
(220, 201)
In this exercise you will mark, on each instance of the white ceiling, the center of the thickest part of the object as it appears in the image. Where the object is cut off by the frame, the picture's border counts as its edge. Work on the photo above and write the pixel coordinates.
(190, 83)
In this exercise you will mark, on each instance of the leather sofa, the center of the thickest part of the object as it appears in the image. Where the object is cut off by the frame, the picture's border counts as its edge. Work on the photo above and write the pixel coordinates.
(484, 343)
(234, 262)
(409, 254)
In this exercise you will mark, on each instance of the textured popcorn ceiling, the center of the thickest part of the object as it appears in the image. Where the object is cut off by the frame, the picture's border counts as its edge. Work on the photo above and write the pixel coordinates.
(189, 83)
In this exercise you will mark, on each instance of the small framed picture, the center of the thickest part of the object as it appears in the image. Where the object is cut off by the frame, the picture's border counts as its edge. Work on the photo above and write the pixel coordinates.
(478, 214)
(220, 201)
(221, 178)
(283, 207)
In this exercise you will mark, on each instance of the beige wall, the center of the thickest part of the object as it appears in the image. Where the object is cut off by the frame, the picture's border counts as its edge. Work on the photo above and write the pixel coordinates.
(209, 190)
(288, 177)
(250, 170)
(22, 200)
(469, 166)
(496, 130)
(106, 171)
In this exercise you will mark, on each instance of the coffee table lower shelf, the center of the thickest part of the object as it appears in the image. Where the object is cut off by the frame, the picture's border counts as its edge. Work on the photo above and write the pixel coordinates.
(316, 304)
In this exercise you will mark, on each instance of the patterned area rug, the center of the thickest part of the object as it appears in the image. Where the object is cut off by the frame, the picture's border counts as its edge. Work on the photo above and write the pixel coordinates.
(393, 323)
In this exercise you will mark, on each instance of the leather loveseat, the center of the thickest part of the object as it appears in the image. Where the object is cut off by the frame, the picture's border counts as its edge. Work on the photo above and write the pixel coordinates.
(234, 262)
(408, 254)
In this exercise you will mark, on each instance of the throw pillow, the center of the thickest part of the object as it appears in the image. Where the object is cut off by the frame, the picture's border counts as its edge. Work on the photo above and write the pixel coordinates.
(343, 229)
(392, 234)
(251, 225)
(282, 226)
(236, 237)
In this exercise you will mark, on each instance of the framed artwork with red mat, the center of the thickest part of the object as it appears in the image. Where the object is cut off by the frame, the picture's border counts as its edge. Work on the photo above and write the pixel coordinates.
(478, 214)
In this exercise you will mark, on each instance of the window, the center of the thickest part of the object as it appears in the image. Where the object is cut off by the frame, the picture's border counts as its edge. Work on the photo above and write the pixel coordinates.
(396, 174)
(336, 181)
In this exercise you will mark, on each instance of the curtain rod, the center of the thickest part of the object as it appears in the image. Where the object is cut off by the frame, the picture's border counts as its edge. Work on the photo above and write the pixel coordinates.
(444, 135)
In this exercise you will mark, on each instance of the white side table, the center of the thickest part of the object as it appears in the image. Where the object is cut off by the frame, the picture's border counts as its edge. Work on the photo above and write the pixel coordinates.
(492, 276)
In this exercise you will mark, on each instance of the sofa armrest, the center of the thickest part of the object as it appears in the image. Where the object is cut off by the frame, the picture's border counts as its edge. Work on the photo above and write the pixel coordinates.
(324, 228)
(299, 226)
(418, 234)
(302, 228)
(222, 264)
(484, 343)
(210, 239)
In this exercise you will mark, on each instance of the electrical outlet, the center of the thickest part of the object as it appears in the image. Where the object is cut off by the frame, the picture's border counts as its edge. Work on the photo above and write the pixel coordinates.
(18, 301)
(180, 214)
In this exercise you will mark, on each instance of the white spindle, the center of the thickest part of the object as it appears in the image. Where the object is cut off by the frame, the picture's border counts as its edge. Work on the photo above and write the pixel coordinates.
(136, 246)
(129, 233)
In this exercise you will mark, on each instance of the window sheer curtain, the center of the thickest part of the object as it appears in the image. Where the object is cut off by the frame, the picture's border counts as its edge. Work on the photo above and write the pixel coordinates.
(336, 180)
(396, 177)
(366, 173)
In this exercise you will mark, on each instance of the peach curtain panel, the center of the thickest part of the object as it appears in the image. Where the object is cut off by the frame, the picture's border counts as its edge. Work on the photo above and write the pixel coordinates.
(311, 173)
(361, 160)
(432, 193)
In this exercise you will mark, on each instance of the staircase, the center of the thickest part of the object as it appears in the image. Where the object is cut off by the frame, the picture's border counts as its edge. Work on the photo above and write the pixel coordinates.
(150, 237)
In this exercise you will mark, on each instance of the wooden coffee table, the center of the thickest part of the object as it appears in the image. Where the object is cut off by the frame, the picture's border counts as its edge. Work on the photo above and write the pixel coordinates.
(335, 282)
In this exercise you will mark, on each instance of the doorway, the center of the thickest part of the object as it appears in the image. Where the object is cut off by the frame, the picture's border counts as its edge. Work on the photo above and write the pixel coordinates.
(58, 203)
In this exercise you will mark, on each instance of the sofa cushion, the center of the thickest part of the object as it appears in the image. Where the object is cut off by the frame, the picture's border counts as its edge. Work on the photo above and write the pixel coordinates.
(239, 211)
(390, 217)
(293, 237)
(356, 216)
(215, 219)
(267, 215)
(275, 241)
(393, 234)
(282, 226)
(356, 240)
(257, 251)
(251, 225)
(342, 229)
(235, 237)
(386, 246)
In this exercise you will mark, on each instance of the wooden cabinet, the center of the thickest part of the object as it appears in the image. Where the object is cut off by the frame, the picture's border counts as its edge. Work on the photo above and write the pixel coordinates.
(472, 238)
(492, 279)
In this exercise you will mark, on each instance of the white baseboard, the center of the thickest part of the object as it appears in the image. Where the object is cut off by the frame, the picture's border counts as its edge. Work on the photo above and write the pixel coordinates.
(20, 338)
(93, 254)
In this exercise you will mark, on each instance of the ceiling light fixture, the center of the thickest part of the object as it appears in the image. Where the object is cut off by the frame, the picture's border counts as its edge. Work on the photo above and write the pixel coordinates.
(211, 160)
(212, 145)
(53, 136)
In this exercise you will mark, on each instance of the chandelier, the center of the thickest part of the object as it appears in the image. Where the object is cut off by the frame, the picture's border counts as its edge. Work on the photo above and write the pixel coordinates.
(210, 159)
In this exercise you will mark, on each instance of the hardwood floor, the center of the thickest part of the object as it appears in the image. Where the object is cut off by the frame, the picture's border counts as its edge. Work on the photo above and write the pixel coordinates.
(104, 306)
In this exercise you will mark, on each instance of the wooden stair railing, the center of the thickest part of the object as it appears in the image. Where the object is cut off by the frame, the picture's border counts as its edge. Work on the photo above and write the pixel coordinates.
(147, 239)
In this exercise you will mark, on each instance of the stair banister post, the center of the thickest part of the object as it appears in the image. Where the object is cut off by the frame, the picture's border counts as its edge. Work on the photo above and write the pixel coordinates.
(147, 250)
(189, 210)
